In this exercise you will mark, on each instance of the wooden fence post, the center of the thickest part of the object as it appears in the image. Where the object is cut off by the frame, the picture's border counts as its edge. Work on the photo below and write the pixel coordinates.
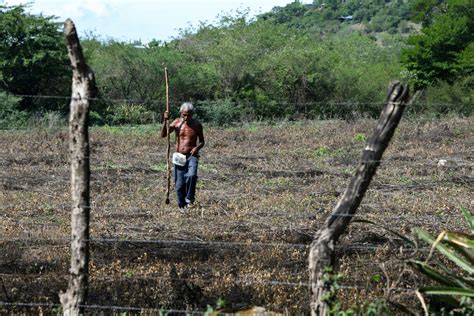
(321, 254)
(83, 88)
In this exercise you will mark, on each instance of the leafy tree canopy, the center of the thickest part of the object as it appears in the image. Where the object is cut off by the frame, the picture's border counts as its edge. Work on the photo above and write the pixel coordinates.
(444, 49)
(33, 57)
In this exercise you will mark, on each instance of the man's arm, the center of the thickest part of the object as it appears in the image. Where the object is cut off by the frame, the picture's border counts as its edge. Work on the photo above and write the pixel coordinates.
(200, 143)
(165, 132)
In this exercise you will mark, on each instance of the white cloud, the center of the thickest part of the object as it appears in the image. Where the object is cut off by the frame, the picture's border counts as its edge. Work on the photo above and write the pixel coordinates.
(98, 8)
(141, 19)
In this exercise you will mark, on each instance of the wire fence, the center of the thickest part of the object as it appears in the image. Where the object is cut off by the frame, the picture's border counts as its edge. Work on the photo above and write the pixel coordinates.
(460, 163)
(404, 246)
(107, 307)
(146, 110)
(452, 161)
(244, 280)
(162, 100)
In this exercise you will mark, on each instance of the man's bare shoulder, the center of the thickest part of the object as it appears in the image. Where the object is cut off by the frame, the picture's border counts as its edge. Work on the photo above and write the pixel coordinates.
(197, 124)
(175, 122)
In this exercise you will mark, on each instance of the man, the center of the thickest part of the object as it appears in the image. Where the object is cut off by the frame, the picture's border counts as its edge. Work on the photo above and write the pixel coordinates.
(189, 140)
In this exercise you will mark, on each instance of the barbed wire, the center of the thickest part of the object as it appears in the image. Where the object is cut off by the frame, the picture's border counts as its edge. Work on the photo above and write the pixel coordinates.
(132, 210)
(97, 261)
(354, 158)
(103, 307)
(113, 307)
(135, 100)
(430, 162)
(158, 241)
(246, 280)
(303, 230)
(281, 173)
(190, 242)
(146, 309)
(270, 212)
(308, 230)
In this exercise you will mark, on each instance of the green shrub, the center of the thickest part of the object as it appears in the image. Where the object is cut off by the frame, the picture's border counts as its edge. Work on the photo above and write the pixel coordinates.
(332, 280)
(52, 120)
(129, 114)
(95, 118)
(404, 27)
(360, 137)
(445, 98)
(221, 111)
(325, 152)
(10, 115)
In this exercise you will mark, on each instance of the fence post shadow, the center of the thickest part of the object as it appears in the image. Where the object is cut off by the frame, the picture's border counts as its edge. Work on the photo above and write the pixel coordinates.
(321, 256)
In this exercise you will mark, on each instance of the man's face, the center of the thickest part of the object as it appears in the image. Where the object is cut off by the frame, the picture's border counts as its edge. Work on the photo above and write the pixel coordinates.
(186, 115)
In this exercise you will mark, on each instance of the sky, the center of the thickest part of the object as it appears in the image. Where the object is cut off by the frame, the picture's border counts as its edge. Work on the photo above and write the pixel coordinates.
(142, 20)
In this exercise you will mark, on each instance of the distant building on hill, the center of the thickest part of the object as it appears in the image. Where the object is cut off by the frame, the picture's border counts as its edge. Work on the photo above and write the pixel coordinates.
(345, 18)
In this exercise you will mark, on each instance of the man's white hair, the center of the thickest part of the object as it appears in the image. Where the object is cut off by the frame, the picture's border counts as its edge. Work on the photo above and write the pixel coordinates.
(186, 107)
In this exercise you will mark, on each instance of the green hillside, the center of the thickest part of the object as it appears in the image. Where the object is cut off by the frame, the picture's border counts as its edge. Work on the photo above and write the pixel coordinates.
(324, 17)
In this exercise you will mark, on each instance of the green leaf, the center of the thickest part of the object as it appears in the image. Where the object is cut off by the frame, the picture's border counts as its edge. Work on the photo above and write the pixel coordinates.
(461, 239)
(466, 253)
(446, 290)
(451, 254)
(447, 279)
(469, 218)
(220, 303)
(376, 278)
(462, 243)
(438, 264)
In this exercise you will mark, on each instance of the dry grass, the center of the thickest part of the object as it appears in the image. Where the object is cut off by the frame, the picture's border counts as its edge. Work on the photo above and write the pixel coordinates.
(259, 185)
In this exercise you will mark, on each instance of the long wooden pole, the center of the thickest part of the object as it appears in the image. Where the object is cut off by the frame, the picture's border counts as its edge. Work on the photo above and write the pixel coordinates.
(168, 150)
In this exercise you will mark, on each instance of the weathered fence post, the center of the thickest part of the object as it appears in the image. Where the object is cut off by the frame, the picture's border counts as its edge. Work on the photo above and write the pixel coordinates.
(321, 253)
(83, 88)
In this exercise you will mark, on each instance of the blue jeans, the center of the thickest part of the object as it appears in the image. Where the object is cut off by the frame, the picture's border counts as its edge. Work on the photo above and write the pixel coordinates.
(185, 179)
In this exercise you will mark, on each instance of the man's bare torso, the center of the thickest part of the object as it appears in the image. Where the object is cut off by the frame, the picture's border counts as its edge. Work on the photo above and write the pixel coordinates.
(187, 134)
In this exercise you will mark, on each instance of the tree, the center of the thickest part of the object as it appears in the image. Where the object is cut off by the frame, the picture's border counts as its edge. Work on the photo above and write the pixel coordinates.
(33, 58)
(443, 51)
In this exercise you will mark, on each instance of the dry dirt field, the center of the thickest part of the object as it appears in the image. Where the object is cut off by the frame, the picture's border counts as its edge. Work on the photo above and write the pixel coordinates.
(264, 190)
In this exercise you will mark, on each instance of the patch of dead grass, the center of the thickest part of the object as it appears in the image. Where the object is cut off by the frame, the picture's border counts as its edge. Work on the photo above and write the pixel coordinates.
(261, 184)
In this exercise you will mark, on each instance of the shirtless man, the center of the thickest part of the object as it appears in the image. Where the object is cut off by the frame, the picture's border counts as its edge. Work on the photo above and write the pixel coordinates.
(189, 140)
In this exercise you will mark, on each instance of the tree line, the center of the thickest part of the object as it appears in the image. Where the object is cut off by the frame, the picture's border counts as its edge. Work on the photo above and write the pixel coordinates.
(300, 60)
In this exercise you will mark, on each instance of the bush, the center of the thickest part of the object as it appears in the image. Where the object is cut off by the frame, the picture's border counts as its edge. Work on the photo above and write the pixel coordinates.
(52, 120)
(10, 115)
(95, 118)
(445, 98)
(332, 280)
(404, 27)
(128, 114)
(221, 111)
